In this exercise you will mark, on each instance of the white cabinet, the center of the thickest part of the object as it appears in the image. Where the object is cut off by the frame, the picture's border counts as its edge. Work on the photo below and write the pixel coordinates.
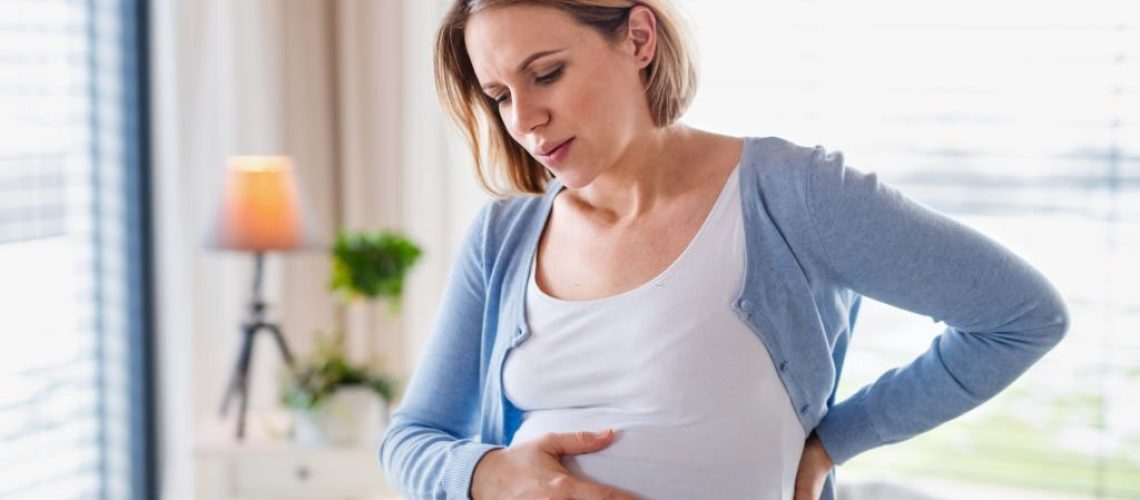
(279, 470)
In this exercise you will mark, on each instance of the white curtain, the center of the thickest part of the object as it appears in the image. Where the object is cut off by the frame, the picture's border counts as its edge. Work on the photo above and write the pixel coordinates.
(345, 88)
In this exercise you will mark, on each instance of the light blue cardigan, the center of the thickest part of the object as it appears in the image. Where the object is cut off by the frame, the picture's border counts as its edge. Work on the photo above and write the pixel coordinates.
(819, 235)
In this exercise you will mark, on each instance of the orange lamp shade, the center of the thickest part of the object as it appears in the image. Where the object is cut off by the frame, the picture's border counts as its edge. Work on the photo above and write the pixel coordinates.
(260, 206)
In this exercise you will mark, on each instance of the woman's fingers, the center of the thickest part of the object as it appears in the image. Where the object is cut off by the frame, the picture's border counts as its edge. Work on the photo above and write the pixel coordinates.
(815, 465)
(533, 469)
(585, 490)
(575, 443)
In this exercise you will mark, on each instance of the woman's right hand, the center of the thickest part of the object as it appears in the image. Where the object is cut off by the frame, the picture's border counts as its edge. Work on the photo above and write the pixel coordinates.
(533, 470)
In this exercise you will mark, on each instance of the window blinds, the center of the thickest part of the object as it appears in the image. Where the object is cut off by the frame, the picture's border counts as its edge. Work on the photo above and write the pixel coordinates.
(73, 410)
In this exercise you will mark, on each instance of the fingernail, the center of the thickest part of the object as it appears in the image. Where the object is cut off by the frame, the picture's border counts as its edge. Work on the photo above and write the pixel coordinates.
(603, 434)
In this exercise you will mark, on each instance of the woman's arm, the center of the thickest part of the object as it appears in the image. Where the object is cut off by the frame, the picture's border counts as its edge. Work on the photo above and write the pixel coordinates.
(427, 451)
(1002, 315)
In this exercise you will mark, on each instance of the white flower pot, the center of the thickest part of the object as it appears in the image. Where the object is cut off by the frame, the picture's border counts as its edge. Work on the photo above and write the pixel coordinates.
(350, 416)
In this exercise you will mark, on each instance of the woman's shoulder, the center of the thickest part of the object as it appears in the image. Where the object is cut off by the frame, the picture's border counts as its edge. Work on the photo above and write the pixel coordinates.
(514, 209)
(773, 155)
(505, 219)
(768, 159)
(780, 169)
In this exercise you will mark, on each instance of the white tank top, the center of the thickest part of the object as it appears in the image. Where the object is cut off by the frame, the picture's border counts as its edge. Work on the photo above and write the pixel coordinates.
(698, 408)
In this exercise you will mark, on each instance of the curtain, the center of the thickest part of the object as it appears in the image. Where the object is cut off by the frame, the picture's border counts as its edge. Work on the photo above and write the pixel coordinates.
(345, 88)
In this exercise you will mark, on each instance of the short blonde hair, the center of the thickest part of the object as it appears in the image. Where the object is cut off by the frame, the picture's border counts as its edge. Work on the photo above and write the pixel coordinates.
(670, 83)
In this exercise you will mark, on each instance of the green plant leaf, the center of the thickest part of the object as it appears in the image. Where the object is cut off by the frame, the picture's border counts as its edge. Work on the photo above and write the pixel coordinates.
(314, 379)
(371, 265)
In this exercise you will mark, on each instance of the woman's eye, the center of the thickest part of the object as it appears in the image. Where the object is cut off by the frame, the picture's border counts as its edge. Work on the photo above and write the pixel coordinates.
(551, 76)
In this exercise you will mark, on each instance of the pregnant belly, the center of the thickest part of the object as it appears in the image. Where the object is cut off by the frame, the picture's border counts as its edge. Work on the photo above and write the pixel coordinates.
(679, 459)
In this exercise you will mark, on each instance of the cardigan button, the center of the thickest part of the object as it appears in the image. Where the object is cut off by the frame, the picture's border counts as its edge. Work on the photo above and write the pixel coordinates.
(804, 409)
(783, 366)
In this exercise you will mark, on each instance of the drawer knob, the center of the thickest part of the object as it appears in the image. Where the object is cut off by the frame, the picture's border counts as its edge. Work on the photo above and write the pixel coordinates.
(302, 472)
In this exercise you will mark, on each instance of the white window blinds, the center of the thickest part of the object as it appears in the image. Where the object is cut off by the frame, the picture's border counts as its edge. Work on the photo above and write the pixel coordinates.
(1019, 118)
(74, 420)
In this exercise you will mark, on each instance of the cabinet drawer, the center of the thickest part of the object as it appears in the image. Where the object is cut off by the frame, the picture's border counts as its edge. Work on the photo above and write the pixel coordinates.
(311, 474)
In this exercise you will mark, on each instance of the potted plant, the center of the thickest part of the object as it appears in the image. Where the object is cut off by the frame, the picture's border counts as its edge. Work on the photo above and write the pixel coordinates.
(334, 401)
(372, 265)
(331, 399)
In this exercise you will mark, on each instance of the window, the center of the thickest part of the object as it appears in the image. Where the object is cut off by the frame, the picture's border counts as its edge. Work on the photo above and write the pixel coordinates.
(1017, 118)
(75, 418)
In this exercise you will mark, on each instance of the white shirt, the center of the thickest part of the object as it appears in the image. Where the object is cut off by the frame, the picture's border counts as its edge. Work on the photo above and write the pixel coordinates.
(690, 389)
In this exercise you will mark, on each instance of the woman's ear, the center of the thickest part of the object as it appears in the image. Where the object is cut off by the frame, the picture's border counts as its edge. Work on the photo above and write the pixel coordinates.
(642, 34)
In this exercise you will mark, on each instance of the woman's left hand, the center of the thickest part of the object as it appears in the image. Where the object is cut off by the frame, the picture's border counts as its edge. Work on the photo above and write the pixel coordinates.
(815, 465)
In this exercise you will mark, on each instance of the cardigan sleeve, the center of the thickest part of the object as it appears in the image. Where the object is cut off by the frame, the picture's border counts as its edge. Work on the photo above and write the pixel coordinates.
(427, 451)
(1001, 314)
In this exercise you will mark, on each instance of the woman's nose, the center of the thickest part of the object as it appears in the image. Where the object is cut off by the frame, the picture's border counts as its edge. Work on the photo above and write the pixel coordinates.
(529, 114)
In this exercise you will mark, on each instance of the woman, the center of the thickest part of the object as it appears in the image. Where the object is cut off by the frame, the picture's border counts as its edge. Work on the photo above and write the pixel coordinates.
(690, 292)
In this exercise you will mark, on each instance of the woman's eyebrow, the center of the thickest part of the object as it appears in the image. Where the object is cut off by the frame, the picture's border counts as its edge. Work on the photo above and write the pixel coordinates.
(526, 62)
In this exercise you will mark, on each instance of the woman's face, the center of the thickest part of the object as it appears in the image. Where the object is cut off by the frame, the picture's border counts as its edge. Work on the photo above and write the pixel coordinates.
(572, 98)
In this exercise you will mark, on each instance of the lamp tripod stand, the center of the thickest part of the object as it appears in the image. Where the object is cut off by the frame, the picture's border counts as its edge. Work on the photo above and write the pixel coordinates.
(239, 380)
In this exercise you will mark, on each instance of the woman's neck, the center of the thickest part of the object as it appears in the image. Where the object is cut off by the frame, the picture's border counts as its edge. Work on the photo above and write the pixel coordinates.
(656, 169)
(645, 175)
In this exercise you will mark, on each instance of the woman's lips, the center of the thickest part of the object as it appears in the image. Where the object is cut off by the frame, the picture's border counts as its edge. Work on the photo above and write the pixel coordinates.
(558, 154)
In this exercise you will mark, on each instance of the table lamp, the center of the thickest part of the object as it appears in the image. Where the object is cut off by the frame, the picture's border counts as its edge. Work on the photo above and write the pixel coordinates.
(260, 211)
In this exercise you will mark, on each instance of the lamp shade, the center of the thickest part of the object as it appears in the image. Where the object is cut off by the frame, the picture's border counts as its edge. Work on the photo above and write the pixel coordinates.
(261, 208)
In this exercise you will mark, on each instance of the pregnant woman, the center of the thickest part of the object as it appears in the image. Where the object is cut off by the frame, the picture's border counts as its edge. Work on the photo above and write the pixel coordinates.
(689, 294)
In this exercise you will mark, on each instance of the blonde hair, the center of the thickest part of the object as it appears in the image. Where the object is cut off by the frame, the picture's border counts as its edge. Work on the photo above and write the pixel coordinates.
(670, 83)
